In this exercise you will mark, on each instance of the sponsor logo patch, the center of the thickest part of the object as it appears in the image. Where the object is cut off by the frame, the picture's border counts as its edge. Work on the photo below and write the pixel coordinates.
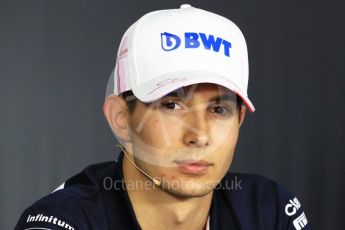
(192, 40)
(300, 222)
(291, 209)
(49, 219)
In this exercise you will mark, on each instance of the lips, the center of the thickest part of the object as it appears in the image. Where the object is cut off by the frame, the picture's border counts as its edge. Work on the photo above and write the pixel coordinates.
(193, 167)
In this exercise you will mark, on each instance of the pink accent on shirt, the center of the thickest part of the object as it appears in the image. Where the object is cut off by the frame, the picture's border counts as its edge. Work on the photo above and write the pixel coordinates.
(208, 223)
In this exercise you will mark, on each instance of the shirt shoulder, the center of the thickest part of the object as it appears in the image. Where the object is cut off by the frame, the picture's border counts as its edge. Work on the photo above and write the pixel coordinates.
(76, 204)
(259, 201)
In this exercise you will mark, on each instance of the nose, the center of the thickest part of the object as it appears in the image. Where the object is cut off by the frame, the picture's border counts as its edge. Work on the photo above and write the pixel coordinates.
(196, 130)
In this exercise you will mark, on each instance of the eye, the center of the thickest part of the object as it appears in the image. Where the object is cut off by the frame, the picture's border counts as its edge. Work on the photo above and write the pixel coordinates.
(221, 110)
(170, 106)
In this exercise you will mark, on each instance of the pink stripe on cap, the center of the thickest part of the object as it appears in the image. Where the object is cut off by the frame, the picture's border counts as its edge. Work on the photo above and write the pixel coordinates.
(121, 69)
(121, 74)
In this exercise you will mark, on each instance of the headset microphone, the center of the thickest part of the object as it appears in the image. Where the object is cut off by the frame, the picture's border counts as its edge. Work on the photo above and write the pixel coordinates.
(155, 181)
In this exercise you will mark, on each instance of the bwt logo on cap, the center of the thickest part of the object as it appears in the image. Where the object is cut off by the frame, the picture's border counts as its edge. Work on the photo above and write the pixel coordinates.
(193, 40)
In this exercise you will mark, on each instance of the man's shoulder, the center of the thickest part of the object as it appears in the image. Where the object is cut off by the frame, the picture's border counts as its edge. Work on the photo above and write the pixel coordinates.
(255, 188)
(67, 205)
(253, 183)
(81, 187)
(250, 188)
(252, 196)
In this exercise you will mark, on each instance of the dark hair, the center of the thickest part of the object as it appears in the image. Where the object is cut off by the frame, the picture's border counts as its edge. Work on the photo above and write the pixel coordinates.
(131, 100)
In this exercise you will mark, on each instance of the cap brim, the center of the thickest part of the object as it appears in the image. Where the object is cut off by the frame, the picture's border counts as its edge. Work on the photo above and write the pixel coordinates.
(156, 88)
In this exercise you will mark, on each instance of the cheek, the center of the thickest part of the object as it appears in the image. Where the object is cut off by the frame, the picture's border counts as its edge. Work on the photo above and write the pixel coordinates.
(225, 134)
(156, 132)
(225, 140)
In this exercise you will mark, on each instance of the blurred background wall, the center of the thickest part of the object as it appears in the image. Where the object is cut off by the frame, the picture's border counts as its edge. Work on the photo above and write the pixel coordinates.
(56, 57)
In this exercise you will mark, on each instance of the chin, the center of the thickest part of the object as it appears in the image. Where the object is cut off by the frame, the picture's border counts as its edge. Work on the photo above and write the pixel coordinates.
(187, 191)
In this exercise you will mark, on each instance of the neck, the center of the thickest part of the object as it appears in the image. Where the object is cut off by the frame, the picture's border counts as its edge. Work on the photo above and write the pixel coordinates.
(157, 209)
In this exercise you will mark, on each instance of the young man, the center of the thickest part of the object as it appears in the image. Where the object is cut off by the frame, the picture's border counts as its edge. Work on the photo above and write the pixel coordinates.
(176, 101)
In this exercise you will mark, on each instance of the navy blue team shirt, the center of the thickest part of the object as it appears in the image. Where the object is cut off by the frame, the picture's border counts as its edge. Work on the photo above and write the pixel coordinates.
(96, 199)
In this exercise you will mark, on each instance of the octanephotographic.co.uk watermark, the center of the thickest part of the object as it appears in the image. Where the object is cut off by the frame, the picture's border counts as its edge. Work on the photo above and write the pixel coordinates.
(110, 184)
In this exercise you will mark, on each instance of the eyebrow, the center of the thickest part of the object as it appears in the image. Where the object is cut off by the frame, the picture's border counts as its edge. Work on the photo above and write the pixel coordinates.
(171, 94)
(226, 97)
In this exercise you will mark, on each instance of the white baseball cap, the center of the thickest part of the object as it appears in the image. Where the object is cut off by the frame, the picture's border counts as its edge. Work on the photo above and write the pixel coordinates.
(168, 49)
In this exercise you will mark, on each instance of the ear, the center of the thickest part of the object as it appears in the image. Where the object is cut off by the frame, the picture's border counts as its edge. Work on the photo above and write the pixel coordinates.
(242, 113)
(115, 111)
